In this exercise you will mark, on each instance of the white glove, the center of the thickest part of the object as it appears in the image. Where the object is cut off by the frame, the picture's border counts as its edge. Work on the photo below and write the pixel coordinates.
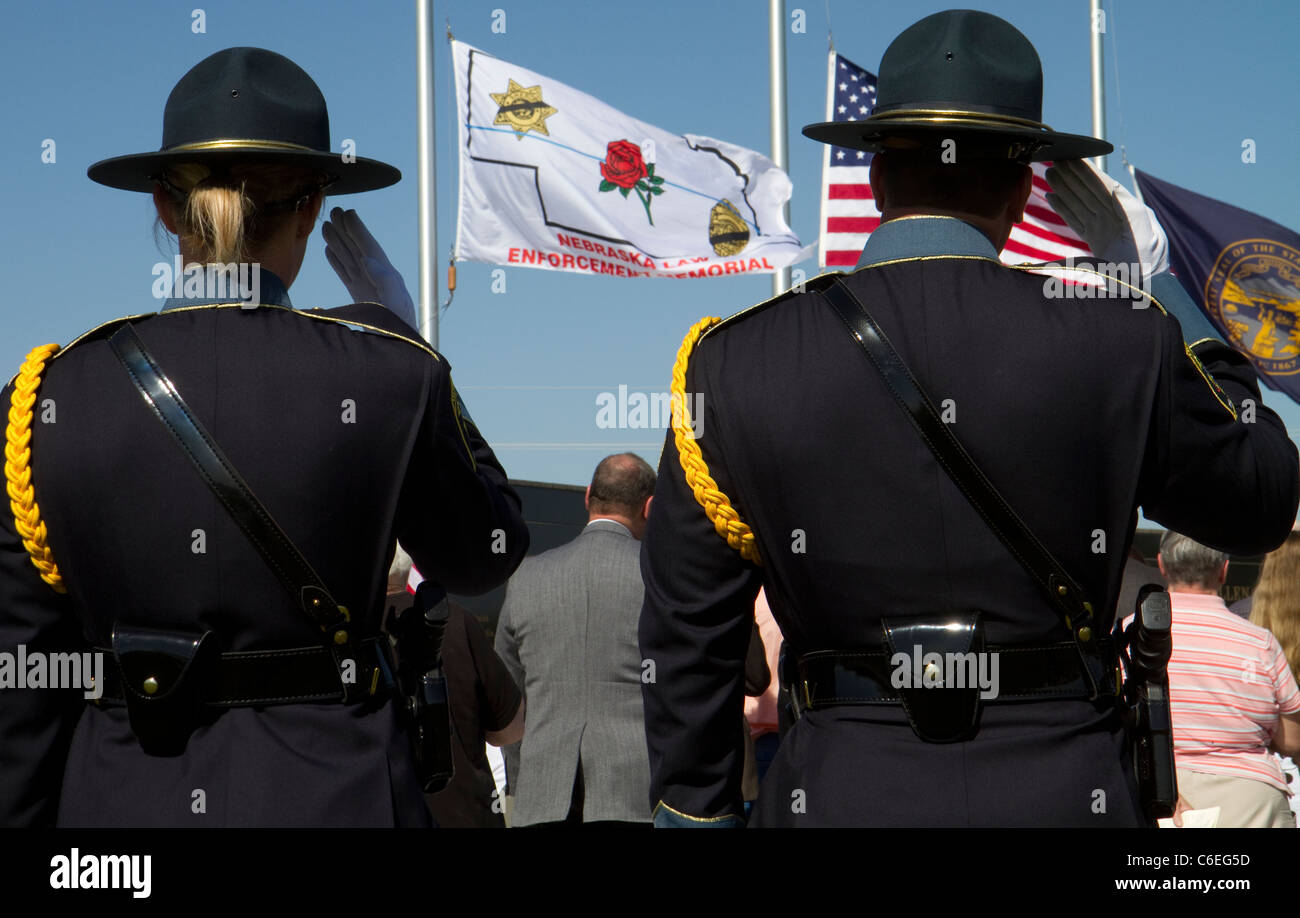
(361, 264)
(1118, 227)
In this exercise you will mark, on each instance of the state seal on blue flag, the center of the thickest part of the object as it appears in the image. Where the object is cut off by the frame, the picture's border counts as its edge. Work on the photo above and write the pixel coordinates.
(1254, 292)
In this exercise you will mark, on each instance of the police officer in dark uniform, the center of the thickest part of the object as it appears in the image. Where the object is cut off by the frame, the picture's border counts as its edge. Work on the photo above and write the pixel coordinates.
(810, 480)
(236, 598)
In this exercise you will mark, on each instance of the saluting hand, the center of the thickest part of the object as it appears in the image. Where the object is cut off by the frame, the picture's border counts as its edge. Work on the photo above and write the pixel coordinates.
(1118, 227)
(361, 264)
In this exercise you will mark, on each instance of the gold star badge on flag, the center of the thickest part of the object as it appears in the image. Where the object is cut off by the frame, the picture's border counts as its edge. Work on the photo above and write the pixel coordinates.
(523, 109)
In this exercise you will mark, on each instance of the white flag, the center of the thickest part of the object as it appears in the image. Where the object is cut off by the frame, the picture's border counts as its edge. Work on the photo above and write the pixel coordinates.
(553, 178)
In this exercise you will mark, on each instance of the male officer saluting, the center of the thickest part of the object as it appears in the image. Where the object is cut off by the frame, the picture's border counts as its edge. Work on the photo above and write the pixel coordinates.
(813, 481)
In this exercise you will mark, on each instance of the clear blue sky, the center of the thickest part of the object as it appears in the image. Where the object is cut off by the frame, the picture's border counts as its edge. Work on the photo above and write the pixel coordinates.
(1197, 76)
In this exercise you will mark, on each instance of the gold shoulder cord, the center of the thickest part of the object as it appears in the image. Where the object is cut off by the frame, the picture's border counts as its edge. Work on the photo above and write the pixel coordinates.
(18, 469)
(716, 506)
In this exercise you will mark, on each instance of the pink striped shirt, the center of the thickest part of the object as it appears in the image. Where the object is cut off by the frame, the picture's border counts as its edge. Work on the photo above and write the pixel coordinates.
(1228, 683)
(761, 712)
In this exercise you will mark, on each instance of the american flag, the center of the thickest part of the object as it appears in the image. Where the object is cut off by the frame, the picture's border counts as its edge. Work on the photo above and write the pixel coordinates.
(849, 212)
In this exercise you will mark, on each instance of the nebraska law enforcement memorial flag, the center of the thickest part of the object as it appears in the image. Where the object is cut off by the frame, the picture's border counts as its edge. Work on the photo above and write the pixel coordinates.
(1244, 272)
(553, 178)
(849, 213)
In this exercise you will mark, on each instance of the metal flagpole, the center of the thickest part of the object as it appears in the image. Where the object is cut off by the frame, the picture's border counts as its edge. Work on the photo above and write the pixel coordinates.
(1097, 27)
(1137, 189)
(826, 151)
(427, 189)
(781, 279)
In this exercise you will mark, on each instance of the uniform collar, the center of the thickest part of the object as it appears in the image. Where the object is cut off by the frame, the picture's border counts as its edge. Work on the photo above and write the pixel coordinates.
(919, 236)
(269, 290)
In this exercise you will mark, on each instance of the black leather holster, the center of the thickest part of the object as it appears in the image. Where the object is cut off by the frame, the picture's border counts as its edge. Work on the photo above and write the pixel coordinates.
(164, 677)
(939, 712)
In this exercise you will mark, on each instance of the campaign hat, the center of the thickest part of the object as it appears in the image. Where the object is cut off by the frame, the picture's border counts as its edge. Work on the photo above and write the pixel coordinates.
(240, 106)
(965, 75)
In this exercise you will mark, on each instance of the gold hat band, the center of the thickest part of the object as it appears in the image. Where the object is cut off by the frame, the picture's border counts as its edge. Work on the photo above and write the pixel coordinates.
(954, 116)
(238, 145)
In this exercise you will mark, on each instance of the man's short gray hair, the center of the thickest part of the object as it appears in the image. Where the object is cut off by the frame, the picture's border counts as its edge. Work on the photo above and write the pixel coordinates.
(1188, 561)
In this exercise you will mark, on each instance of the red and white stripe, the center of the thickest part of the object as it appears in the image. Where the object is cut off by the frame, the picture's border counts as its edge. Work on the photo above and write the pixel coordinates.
(849, 217)
(849, 214)
(1043, 235)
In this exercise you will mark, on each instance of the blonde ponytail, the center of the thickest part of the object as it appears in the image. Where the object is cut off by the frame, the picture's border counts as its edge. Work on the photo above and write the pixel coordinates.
(221, 215)
(217, 219)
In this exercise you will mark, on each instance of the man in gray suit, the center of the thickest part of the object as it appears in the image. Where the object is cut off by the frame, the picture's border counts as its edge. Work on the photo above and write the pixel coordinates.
(568, 635)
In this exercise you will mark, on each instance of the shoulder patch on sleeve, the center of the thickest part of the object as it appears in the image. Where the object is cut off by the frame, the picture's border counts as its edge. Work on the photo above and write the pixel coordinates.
(462, 418)
(1210, 381)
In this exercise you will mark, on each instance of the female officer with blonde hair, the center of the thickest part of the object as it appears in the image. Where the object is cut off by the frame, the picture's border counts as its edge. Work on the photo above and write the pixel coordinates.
(217, 505)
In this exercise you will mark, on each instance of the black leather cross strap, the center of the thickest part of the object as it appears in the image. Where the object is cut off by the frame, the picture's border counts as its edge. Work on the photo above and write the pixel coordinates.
(294, 572)
(1062, 591)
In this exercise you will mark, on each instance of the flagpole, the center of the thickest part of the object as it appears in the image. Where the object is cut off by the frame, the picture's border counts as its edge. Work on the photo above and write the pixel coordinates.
(1096, 28)
(776, 27)
(826, 149)
(427, 190)
(1137, 189)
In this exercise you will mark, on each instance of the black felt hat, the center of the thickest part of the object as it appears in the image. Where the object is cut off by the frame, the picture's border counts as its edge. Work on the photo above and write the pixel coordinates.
(246, 105)
(966, 75)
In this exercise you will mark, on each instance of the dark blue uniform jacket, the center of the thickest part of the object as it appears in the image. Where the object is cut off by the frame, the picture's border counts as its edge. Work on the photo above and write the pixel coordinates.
(1080, 410)
(352, 438)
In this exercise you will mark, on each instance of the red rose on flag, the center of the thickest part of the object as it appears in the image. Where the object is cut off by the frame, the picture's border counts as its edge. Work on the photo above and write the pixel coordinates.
(626, 171)
(623, 165)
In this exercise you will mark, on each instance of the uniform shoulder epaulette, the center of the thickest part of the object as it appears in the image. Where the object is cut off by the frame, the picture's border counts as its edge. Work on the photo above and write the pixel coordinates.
(1137, 293)
(103, 330)
(366, 317)
(1105, 281)
(373, 318)
(816, 283)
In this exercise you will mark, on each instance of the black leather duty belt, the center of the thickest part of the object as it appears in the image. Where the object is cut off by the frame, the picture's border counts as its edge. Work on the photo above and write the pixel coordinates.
(825, 678)
(291, 675)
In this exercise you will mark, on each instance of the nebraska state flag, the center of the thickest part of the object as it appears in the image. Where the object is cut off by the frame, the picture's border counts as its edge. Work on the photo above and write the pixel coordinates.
(1242, 269)
(553, 178)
